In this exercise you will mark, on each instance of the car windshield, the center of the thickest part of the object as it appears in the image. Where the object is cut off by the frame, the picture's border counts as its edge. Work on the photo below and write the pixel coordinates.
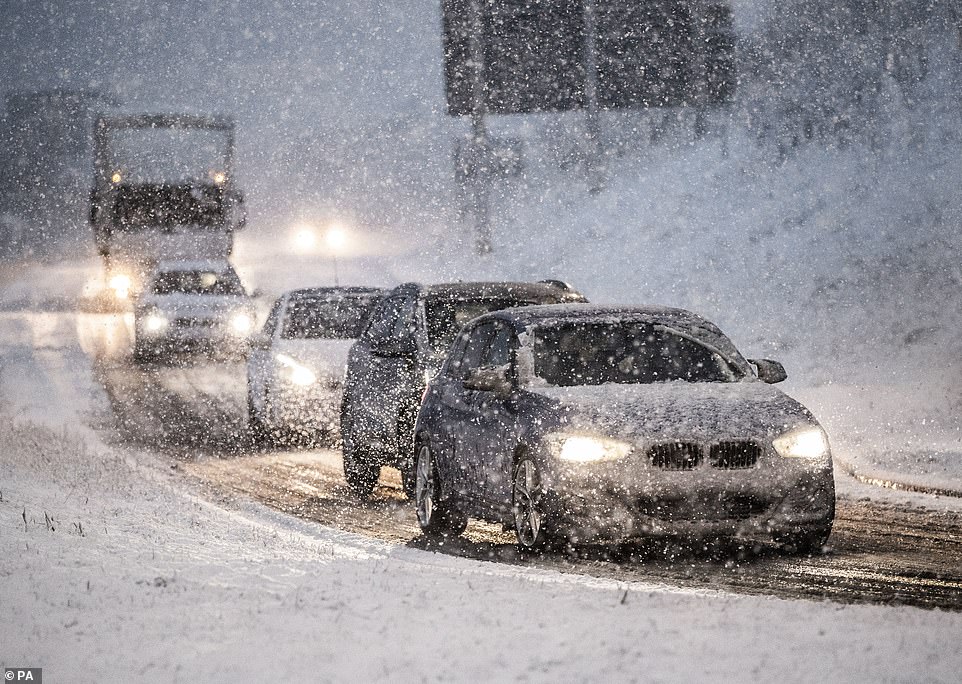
(197, 282)
(445, 317)
(324, 318)
(623, 352)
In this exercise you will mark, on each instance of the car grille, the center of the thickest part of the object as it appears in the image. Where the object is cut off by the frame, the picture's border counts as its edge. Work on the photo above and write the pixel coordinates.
(737, 507)
(194, 322)
(734, 455)
(675, 456)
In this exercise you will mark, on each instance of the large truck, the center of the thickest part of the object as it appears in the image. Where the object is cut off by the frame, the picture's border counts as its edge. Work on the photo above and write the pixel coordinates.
(163, 189)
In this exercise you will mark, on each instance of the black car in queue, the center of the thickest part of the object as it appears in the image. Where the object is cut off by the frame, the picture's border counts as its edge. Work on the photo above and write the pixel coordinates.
(582, 424)
(402, 347)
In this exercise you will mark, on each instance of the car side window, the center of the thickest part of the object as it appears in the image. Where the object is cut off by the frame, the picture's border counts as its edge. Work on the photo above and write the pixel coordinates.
(405, 325)
(501, 350)
(475, 347)
(386, 319)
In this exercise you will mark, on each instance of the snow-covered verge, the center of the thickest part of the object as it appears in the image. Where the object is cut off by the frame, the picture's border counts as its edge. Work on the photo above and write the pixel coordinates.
(110, 572)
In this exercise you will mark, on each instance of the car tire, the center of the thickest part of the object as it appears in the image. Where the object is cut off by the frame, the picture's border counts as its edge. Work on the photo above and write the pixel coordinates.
(406, 452)
(532, 522)
(437, 517)
(360, 473)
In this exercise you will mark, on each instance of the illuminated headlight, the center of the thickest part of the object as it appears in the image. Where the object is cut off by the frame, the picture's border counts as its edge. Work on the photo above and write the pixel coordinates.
(295, 372)
(806, 442)
(120, 284)
(154, 323)
(583, 449)
(241, 323)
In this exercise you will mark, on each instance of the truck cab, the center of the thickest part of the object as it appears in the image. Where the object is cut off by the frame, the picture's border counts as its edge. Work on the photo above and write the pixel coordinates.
(163, 189)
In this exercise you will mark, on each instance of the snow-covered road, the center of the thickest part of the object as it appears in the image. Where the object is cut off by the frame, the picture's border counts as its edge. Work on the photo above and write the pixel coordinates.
(113, 567)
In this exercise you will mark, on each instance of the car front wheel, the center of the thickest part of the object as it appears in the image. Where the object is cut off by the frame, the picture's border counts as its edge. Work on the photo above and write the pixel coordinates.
(531, 523)
(436, 516)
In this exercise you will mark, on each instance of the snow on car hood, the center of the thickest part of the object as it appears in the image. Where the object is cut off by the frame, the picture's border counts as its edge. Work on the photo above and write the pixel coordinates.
(702, 411)
(320, 355)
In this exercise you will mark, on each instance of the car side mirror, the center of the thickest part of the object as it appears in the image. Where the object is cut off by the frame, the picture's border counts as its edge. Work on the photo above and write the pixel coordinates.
(489, 379)
(769, 371)
(260, 341)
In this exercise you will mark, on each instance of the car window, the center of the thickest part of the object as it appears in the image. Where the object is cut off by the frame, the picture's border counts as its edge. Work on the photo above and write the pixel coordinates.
(475, 350)
(197, 282)
(386, 318)
(340, 317)
(501, 350)
(445, 316)
(627, 352)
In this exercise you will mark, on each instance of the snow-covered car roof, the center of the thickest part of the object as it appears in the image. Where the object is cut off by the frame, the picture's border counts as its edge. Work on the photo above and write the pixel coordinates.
(537, 291)
(683, 320)
(332, 292)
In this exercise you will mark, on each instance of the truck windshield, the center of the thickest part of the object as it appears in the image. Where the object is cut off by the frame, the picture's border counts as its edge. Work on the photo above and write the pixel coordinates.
(168, 155)
(197, 282)
(166, 206)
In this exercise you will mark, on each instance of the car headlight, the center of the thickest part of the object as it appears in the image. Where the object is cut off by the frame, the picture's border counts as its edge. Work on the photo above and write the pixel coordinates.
(155, 322)
(806, 442)
(241, 323)
(584, 449)
(295, 372)
(121, 285)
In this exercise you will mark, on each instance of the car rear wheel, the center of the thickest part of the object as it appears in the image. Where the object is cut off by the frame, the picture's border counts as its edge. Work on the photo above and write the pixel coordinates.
(436, 516)
(360, 473)
(531, 523)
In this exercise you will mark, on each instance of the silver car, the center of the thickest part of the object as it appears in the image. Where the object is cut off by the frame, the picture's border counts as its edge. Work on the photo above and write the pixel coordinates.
(192, 306)
(587, 424)
(295, 367)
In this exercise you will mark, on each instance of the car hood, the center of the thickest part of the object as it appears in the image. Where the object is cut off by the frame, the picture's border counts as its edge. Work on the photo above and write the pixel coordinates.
(195, 305)
(678, 410)
(320, 355)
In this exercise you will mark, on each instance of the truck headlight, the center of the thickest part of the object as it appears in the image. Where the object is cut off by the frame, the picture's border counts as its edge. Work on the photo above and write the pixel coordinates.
(294, 372)
(585, 449)
(241, 323)
(806, 442)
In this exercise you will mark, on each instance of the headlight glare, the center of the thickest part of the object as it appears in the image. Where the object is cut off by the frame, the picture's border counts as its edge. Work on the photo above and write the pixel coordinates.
(155, 322)
(241, 323)
(295, 372)
(585, 449)
(806, 442)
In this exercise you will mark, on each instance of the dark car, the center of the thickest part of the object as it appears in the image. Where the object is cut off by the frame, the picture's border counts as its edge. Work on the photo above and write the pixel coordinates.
(582, 424)
(401, 348)
(295, 366)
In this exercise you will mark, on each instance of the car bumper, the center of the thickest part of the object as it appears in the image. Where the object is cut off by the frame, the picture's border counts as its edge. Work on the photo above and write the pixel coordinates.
(759, 505)
(193, 340)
